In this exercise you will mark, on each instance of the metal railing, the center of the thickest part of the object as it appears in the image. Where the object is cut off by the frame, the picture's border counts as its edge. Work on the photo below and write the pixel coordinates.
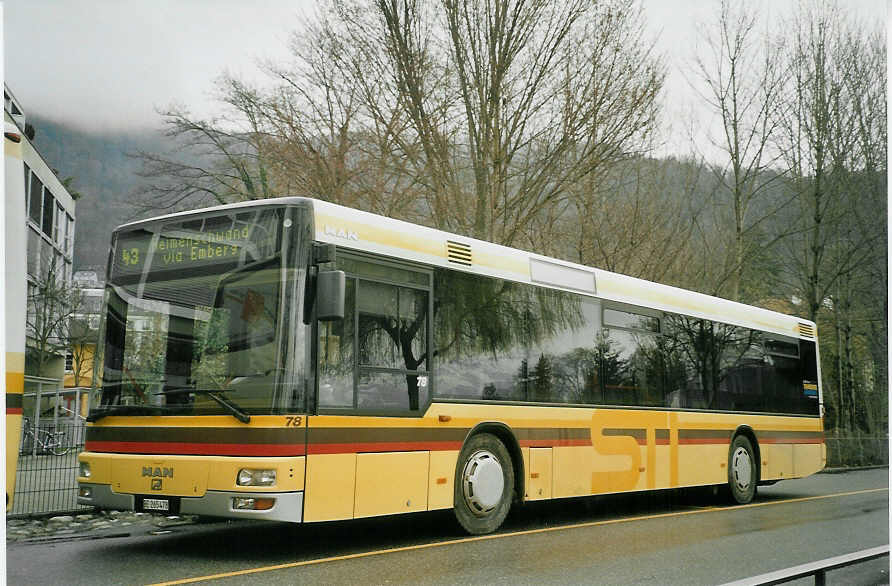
(52, 435)
(854, 451)
(817, 569)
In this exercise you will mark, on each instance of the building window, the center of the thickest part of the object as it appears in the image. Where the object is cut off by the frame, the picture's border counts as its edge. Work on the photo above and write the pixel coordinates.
(27, 184)
(48, 262)
(48, 212)
(36, 198)
(69, 235)
(59, 227)
(33, 251)
(69, 362)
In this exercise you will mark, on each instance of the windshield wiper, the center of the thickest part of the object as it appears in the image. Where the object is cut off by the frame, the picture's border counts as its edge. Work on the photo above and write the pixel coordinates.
(216, 395)
(100, 412)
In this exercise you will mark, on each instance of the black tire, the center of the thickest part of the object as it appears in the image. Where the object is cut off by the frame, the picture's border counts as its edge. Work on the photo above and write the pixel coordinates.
(480, 504)
(60, 449)
(743, 474)
(27, 445)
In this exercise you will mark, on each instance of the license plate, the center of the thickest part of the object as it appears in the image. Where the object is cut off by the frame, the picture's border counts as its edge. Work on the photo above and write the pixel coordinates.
(167, 505)
(156, 505)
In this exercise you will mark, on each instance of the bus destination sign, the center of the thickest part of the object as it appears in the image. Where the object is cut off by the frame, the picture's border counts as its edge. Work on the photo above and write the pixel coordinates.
(216, 243)
(174, 251)
(182, 249)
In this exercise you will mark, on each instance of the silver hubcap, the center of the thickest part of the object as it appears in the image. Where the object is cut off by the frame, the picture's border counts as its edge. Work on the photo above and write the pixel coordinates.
(482, 482)
(742, 467)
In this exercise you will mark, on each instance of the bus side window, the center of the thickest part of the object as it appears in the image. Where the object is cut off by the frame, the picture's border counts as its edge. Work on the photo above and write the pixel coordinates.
(336, 355)
(376, 358)
(392, 336)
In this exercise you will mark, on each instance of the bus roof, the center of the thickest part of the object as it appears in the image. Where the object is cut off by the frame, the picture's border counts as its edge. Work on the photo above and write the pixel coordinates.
(368, 232)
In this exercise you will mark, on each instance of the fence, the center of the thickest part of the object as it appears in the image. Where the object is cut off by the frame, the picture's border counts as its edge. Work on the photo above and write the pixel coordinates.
(52, 436)
(845, 452)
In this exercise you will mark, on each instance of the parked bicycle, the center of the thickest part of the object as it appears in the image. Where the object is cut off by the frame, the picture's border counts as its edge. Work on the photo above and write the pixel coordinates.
(48, 442)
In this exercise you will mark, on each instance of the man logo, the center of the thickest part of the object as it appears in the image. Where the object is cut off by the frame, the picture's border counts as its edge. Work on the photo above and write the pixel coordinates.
(156, 484)
(157, 472)
(340, 232)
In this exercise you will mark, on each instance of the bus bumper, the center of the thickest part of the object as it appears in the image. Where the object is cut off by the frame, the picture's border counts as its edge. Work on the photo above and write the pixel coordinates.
(288, 506)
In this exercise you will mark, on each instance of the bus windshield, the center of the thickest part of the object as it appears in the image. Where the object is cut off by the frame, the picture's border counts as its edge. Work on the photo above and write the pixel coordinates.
(194, 312)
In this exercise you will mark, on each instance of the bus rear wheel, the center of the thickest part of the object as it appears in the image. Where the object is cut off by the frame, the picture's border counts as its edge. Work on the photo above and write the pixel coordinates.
(742, 471)
(484, 484)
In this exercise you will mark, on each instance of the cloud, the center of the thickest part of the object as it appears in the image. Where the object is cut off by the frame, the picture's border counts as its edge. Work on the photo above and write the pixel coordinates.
(110, 64)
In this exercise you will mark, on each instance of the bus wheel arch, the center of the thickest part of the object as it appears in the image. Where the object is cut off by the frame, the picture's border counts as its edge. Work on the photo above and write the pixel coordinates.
(747, 431)
(485, 481)
(506, 436)
(744, 465)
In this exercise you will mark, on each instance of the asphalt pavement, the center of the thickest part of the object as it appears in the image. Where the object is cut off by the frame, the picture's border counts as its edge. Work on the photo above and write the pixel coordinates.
(670, 537)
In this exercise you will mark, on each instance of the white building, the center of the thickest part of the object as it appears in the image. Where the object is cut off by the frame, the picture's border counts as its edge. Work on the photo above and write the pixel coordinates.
(49, 212)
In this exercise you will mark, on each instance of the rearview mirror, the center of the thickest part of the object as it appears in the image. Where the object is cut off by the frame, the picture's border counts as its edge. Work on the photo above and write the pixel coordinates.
(330, 295)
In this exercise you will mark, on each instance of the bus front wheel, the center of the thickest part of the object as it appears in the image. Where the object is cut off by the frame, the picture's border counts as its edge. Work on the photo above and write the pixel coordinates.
(484, 484)
(742, 471)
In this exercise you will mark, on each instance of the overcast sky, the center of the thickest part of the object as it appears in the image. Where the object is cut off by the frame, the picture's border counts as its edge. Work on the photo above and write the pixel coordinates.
(111, 63)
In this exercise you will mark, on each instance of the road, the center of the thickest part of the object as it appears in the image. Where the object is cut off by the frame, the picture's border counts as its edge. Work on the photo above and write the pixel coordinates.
(672, 537)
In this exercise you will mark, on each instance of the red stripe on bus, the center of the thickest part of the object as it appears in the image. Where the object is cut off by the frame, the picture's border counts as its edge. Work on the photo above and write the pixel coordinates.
(640, 441)
(714, 441)
(433, 446)
(14, 410)
(553, 443)
(196, 449)
(353, 448)
(658, 442)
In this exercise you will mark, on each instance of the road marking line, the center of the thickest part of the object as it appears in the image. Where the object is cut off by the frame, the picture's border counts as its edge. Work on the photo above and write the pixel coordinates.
(421, 546)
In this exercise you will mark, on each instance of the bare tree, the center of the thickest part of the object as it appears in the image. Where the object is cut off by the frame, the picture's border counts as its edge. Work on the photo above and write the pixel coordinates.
(644, 221)
(51, 303)
(743, 75)
(836, 155)
(476, 117)
(214, 161)
(806, 120)
(858, 160)
(819, 146)
(81, 339)
(331, 141)
(512, 104)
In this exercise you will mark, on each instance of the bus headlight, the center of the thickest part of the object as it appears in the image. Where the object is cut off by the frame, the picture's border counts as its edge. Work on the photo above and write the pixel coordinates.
(249, 477)
(84, 470)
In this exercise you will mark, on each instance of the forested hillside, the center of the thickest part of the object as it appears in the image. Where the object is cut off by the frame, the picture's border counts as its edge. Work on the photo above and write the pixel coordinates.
(102, 174)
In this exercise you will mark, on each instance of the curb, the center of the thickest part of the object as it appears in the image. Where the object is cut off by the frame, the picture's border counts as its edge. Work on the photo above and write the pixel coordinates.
(852, 469)
(69, 537)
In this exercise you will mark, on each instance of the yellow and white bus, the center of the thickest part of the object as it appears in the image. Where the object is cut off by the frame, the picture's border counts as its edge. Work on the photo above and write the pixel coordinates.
(295, 360)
